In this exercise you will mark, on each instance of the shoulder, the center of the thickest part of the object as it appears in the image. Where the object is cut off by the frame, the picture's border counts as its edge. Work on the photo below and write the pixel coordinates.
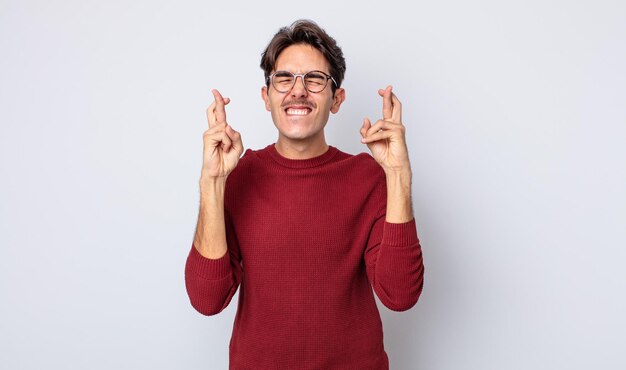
(366, 181)
(247, 157)
(368, 162)
(364, 166)
(239, 181)
(244, 167)
(363, 174)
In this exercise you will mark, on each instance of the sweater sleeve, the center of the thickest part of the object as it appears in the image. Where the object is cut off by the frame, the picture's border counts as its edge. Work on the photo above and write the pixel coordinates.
(393, 259)
(211, 283)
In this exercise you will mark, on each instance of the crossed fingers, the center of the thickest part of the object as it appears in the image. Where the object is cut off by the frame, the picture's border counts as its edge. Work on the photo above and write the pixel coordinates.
(216, 112)
(390, 126)
(220, 133)
(392, 108)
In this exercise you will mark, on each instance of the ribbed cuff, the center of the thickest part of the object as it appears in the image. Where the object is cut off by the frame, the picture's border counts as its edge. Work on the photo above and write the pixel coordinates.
(400, 235)
(207, 268)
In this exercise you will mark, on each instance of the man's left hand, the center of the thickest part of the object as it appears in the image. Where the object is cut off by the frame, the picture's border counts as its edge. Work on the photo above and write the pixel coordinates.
(385, 138)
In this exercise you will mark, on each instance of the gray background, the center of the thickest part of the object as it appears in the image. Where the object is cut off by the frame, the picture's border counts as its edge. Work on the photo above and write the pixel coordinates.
(516, 125)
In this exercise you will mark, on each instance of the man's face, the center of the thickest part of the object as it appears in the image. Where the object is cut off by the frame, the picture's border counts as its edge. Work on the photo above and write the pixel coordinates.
(298, 114)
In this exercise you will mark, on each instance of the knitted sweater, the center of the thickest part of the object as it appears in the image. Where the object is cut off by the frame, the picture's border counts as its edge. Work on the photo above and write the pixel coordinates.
(307, 241)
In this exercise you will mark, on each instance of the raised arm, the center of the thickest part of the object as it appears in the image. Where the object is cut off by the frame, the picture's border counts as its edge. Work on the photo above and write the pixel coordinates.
(212, 275)
(393, 256)
(222, 149)
(386, 141)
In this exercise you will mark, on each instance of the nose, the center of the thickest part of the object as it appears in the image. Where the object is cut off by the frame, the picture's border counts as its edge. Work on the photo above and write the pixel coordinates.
(299, 89)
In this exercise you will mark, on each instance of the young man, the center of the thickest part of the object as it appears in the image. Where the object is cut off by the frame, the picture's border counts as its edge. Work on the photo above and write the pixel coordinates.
(306, 230)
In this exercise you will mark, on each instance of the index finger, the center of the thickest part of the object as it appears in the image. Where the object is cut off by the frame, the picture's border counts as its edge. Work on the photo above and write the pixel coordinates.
(387, 104)
(396, 115)
(220, 111)
(210, 114)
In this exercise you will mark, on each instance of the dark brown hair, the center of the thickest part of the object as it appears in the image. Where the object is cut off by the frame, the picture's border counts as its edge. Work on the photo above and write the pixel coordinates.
(305, 31)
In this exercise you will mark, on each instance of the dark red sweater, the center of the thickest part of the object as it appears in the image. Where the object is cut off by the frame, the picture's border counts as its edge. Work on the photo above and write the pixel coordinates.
(307, 241)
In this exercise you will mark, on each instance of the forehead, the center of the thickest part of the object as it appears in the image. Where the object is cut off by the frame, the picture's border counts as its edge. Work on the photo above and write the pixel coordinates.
(301, 58)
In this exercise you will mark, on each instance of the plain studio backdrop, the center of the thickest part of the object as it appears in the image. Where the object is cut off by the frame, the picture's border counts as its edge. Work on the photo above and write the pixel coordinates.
(516, 125)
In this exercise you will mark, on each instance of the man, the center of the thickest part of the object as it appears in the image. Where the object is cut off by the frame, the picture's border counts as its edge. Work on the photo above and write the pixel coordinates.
(306, 230)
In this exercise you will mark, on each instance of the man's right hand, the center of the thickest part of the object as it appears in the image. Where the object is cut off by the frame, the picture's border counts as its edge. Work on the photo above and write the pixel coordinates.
(222, 144)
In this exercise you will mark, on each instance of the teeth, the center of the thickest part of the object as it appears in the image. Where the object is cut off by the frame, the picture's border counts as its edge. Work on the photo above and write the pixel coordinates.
(298, 112)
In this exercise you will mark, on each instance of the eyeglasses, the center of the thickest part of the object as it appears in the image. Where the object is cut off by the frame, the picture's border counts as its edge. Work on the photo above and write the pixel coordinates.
(314, 81)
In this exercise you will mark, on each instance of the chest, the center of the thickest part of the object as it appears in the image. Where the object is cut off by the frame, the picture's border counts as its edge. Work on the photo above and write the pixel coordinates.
(300, 223)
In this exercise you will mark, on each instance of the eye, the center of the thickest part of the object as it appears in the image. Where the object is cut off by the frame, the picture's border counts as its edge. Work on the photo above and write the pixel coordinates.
(283, 78)
(316, 79)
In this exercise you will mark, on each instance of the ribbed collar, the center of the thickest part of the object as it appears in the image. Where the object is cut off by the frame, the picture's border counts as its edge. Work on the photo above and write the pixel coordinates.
(300, 163)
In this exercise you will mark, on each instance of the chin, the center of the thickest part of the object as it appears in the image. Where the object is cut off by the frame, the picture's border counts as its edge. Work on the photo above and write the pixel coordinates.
(295, 135)
(296, 131)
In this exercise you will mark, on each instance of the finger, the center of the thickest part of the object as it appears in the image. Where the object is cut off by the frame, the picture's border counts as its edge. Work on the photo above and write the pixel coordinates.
(381, 135)
(387, 104)
(365, 126)
(229, 131)
(220, 112)
(210, 115)
(217, 128)
(380, 125)
(215, 133)
(396, 115)
(217, 139)
(227, 143)
(235, 137)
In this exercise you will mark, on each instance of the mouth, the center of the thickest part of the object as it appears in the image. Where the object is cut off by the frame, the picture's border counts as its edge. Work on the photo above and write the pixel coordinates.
(298, 110)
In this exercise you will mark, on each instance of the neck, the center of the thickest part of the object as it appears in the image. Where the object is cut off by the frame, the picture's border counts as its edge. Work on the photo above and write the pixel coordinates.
(300, 149)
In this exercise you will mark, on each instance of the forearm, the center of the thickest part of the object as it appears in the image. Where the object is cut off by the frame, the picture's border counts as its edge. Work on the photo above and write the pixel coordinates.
(213, 272)
(399, 204)
(210, 237)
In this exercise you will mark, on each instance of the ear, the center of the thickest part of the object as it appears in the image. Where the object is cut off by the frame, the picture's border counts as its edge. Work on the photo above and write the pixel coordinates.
(266, 98)
(338, 98)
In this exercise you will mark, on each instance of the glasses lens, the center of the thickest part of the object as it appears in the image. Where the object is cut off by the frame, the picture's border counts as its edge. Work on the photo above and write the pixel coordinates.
(315, 81)
(283, 81)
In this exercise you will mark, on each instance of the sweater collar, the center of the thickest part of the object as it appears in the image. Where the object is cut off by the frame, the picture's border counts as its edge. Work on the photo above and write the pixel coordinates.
(301, 163)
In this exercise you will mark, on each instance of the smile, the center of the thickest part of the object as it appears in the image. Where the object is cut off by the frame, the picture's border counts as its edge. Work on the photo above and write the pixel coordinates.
(297, 111)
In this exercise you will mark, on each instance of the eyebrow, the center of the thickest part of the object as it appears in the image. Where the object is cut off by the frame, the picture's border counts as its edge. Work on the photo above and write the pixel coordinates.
(313, 70)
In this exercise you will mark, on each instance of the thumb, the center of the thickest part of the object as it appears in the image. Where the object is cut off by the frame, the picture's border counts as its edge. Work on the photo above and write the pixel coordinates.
(365, 126)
